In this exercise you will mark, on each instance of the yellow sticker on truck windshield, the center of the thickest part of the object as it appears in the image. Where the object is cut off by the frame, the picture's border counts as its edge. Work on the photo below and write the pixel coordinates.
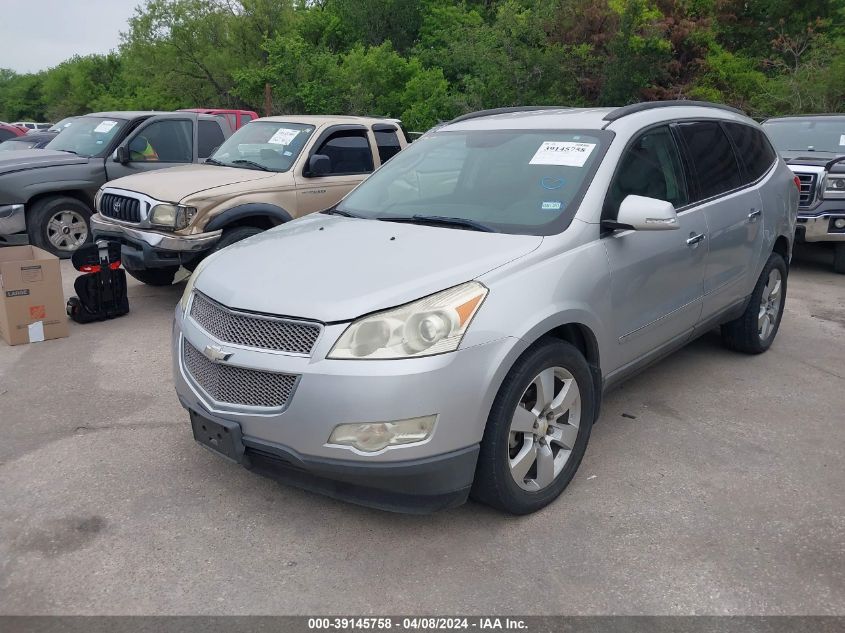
(568, 153)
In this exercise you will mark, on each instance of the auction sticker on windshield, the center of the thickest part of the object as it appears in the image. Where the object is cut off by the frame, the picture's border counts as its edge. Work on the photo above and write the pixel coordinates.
(283, 136)
(105, 126)
(566, 153)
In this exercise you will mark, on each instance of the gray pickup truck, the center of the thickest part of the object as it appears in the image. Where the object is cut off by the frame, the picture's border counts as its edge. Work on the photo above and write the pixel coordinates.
(47, 195)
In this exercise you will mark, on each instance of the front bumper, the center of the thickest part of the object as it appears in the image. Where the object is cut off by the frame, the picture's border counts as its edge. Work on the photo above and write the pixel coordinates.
(12, 219)
(292, 444)
(817, 225)
(143, 248)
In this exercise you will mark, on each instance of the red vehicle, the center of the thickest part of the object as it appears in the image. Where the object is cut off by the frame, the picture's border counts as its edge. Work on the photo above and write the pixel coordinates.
(10, 131)
(236, 118)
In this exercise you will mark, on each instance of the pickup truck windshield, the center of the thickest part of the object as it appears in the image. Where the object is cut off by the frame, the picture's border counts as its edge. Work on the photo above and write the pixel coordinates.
(810, 135)
(510, 181)
(266, 145)
(88, 136)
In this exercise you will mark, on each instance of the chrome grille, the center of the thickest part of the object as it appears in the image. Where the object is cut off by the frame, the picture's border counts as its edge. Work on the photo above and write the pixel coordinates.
(120, 207)
(236, 385)
(807, 188)
(252, 330)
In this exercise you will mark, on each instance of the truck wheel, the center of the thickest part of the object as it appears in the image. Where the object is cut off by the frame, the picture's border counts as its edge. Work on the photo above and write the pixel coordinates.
(155, 276)
(839, 258)
(755, 330)
(538, 429)
(235, 234)
(59, 225)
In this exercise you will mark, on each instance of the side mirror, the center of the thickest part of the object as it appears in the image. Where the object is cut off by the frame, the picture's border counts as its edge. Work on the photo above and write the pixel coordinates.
(319, 165)
(121, 155)
(645, 214)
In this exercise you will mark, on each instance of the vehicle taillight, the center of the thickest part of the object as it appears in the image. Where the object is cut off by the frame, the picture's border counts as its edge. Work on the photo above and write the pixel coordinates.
(797, 182)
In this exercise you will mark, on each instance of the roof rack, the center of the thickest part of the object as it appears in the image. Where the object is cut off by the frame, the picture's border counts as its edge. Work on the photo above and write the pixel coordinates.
(618, 113)
(480, 113)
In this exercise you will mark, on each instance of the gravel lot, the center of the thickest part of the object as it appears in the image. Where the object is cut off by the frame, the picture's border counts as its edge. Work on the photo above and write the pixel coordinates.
(714, 483)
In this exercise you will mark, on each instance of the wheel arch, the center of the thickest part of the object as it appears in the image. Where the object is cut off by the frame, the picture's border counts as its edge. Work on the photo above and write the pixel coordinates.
(782, 247)
(258, 214)
(78, 194)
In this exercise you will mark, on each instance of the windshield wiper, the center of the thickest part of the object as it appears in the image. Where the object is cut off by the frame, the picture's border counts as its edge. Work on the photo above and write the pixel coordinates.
(440, 220)
(345, 214)
(69, 151)
(212, 161)
(243, 161)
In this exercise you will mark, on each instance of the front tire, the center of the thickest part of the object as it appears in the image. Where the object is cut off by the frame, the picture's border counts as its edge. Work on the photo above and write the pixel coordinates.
(538, 429)
(839, 258)
(755, 330)
(155, 276)
(235, 234)
(59, 225)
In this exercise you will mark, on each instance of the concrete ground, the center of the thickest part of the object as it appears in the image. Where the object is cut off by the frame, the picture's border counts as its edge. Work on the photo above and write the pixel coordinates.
(713, 484)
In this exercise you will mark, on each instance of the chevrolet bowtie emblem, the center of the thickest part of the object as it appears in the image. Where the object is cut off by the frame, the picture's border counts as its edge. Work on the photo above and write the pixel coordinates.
(215, 354)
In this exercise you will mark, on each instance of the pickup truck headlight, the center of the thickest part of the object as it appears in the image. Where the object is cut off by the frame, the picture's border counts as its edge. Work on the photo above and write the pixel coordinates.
(431, 325)
(175, 216)
(834, 186)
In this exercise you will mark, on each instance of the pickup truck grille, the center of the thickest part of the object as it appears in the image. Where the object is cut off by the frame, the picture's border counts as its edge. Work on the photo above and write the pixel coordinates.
(253, 330)
(807, 190)
(228, 384)
(120, 208)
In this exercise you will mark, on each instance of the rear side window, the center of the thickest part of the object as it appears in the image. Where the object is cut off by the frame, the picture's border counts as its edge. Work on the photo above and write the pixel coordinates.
(388, 144)
(753, 148)
(349, 153)
(713, 160)
(210, 138)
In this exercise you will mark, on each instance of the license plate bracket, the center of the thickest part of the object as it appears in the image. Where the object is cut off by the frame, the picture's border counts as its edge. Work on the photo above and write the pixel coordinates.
(223, 438)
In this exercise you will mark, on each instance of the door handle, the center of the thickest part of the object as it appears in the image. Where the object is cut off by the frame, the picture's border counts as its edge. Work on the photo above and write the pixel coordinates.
(695, 239)
(755, 213)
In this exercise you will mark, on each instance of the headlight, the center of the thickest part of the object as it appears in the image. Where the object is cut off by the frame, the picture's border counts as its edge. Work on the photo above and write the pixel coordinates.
(834, 186)
(192, 280)
(432, 325)
(370, 437)
(174, 216)
(97, 200)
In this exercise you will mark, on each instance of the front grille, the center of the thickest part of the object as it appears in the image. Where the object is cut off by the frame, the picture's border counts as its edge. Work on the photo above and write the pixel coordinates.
(252, 330)
(236, 385)
(807, 189)
(120, 208)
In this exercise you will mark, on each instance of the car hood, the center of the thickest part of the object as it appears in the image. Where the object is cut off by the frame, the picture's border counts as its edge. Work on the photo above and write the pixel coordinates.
(175, 183)
(331, 268)
(24, 159)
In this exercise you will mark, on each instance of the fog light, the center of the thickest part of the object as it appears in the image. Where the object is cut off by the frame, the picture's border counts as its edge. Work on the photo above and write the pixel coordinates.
(370, 437)
(839, 223)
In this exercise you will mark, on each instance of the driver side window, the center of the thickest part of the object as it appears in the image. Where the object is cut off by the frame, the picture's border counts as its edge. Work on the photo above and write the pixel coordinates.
(166, 141)
(650, 167)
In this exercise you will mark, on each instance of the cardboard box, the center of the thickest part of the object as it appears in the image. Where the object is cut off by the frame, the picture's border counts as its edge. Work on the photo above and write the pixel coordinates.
(32, 303)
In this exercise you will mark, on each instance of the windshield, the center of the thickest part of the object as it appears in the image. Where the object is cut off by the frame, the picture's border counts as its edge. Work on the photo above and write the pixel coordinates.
(526, 182)
(88, 136)
(66, 122)
(267, 145)
(8, 146)
(813, 135)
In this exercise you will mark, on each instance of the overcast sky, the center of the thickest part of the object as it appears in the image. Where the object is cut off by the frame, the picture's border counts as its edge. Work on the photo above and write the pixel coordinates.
(38, 34)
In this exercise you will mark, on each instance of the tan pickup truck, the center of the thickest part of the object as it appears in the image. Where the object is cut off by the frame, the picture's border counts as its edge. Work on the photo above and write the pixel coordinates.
(269, 172)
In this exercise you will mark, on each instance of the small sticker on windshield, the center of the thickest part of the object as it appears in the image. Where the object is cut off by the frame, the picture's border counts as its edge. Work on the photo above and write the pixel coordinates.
(283, 136)
(562, 153)
(551, 205)
(842, 140)
(105, 126)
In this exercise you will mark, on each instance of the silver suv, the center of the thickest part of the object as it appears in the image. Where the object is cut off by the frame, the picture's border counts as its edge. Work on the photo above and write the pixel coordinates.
(449, 328)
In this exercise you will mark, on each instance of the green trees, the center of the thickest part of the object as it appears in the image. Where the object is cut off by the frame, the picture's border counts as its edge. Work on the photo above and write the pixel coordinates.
(428, 60)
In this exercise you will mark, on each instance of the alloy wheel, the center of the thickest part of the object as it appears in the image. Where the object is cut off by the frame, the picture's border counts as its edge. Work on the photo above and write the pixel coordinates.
(67, 230)
(770, 304)
(544, 429)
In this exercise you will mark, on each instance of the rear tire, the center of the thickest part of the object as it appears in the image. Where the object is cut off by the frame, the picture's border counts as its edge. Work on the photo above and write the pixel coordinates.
(59, 225)
(839, 258)
(532, 447)
(155, 276)
(755, 330)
